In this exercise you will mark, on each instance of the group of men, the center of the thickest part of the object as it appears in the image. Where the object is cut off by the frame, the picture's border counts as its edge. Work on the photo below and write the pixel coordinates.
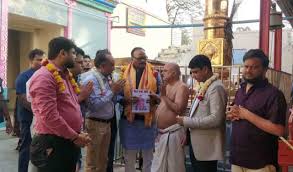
(258, 116)
(24, 113)
(59, 107)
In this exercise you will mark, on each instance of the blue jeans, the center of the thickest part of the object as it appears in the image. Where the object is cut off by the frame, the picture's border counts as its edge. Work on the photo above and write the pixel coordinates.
(24, 150)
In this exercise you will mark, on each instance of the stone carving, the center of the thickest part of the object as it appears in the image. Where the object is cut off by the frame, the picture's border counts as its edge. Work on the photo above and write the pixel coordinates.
(213, 49)
(214, 44)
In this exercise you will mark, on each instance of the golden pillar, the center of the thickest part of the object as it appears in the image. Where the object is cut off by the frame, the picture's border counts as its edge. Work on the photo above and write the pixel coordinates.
(214, 45)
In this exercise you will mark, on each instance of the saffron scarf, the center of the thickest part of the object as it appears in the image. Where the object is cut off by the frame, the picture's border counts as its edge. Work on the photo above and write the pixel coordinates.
(147, 82)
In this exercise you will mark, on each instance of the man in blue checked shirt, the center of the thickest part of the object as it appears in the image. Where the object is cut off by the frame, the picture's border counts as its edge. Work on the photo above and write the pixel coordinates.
(99, 110)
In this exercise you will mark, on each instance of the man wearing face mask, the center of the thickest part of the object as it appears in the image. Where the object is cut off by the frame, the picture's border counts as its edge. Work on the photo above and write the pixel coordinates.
(99, 110)
(258, 118)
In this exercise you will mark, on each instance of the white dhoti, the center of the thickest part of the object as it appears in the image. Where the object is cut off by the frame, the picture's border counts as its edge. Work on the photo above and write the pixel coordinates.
(169, 153)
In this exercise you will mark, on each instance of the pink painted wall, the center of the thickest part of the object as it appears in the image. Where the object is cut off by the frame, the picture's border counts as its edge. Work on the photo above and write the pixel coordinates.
(109, 28)
(68, 28)
(4, 41)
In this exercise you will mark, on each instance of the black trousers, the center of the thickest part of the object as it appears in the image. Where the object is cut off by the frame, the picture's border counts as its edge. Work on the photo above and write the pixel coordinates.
(201, 166)
(24, 149)
(50, 153)
(111, 151)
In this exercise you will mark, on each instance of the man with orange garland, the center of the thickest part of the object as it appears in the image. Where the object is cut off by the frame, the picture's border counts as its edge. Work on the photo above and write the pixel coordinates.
(56, 144)
(206, 120)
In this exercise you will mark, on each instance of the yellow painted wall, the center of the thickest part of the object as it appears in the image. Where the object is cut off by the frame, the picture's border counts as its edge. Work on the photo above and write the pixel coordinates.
(41, 37)
(19, 45)
(26, 45)
(13, 62)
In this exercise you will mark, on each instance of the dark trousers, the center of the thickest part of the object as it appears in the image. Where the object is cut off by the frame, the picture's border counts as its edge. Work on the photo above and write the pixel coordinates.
(51, 153)
(1, 114)
(17, 119)
(112, 144)
(24, 149)
(201, 166)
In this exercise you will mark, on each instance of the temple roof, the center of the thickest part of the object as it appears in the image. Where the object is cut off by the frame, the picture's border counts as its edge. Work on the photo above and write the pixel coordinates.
(287, 8)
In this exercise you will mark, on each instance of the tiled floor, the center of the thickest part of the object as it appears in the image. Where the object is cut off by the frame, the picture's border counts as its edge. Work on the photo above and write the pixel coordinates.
(9, 156)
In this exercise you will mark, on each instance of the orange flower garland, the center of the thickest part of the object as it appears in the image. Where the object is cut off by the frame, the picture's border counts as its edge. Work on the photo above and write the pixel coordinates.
(73, 83)
(51, 68)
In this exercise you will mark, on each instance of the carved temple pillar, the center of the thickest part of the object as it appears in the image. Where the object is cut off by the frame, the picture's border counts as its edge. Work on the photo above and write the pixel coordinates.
(214, 45)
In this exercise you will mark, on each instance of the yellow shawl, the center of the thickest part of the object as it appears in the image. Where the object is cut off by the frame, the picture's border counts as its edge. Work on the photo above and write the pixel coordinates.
(148, 82)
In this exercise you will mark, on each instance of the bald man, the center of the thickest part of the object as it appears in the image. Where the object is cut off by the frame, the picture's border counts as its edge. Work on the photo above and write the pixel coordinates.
(169, 153)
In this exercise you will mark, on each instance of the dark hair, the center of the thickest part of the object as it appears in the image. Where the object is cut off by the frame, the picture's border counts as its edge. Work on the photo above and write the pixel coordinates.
(58, 44)
(32, 54)
(258, 54)
(134, 49)
(101, 57)
(86, 57)
(200, 61)
(79, 51)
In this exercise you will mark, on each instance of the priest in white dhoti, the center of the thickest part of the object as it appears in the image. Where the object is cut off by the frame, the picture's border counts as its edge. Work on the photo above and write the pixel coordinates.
(169, 153)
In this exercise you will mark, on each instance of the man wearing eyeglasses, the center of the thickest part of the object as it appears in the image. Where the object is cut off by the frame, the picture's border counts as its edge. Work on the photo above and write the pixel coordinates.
(137, 130)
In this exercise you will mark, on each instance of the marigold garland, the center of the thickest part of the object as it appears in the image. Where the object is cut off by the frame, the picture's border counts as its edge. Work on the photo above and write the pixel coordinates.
(73, 83)
(201, 88)
(51, 68)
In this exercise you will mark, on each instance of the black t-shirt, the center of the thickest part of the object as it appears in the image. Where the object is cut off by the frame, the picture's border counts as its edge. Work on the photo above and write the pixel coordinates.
(138, 77)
